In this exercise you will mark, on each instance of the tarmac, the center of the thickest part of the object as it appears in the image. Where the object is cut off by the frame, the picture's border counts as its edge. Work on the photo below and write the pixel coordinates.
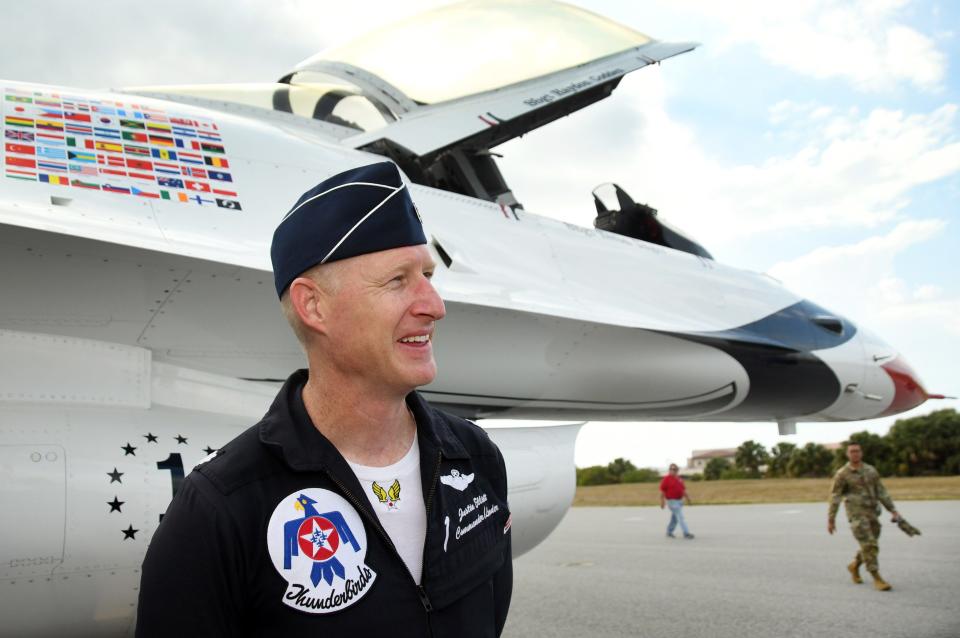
(752, 570)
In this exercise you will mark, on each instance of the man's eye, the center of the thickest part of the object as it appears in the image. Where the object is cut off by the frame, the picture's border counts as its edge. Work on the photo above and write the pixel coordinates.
(428, 274)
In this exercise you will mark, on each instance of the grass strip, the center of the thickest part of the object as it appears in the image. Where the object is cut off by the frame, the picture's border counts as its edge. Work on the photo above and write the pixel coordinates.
(744, 492)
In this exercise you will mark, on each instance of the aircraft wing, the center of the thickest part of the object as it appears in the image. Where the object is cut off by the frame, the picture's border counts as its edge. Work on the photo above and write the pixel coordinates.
(493, 117)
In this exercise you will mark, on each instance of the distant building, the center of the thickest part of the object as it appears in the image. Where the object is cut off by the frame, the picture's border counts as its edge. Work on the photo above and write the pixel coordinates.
(699, 458)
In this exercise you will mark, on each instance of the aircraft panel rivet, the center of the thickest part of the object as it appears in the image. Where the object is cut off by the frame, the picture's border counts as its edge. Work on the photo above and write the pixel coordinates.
(35, 457)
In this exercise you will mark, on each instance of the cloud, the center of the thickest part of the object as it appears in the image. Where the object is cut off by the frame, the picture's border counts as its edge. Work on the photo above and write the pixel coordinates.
(879, 249)
(864, 42)
(112, 43)
(927, 292)
(860, 280)
(846, 169)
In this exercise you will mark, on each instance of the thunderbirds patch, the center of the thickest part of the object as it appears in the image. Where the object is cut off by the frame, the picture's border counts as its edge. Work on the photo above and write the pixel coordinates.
(116, 147)
(318, 545)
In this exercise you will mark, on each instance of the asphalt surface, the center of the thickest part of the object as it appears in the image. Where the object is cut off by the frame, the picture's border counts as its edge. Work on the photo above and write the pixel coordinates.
(752, 570)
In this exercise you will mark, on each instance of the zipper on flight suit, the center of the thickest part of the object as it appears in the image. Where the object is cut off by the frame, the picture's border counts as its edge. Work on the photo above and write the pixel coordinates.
(421, 592)
(423, 561)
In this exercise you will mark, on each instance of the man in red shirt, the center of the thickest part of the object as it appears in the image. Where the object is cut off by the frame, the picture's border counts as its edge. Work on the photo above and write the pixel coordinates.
(672, 494)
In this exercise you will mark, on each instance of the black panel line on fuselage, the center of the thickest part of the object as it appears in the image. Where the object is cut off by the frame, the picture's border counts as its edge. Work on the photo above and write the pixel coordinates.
(723, 391)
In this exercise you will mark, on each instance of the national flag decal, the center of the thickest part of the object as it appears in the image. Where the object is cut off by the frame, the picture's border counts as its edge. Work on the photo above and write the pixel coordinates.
(23, 149)
(174, 195)
(170, 182)
(228, 203)
(16, 134)
(131, 149)
(115, 147)
(219, 162)
(14, 120)
(47, 165)
(80, 156)
(193, 171)
(53, 179)
(22, 162)
(51, 152)
(109, 146)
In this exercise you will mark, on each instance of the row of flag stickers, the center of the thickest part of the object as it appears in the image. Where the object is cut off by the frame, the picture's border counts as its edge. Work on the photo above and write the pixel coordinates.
(128, 149)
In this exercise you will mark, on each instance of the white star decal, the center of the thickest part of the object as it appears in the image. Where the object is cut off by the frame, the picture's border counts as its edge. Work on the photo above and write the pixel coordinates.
(319, 538)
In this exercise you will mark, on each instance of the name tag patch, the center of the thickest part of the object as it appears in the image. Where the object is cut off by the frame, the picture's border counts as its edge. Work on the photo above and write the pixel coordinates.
(473, 514)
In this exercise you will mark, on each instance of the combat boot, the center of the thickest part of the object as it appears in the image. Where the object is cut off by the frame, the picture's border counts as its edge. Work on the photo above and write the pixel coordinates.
(879, 583)
(854, 569)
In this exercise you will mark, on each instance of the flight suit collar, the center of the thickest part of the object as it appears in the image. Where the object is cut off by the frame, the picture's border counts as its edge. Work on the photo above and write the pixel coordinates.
(288, 430)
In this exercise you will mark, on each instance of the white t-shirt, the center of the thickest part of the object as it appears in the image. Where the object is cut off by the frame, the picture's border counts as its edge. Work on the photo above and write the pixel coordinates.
(396, 495)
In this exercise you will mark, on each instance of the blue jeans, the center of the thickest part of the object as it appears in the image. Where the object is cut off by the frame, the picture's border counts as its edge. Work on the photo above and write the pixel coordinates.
(676, 516)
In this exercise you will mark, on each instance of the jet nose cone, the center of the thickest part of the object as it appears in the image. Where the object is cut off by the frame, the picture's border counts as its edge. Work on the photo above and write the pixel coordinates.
(908, 391)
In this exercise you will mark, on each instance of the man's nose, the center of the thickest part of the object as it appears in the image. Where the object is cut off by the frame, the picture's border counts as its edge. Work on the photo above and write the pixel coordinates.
(429, 302)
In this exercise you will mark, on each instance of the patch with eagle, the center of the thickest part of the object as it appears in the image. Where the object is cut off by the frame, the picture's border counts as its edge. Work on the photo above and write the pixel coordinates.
(389, 497)
(318, 545)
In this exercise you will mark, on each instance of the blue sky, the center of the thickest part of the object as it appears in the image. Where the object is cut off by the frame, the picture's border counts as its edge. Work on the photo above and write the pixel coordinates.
(818, 141)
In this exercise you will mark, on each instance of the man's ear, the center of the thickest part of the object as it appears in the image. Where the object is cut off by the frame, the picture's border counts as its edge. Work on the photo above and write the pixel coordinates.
(309, 302)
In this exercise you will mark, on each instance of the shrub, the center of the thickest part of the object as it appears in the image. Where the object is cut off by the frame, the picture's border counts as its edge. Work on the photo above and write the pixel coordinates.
(642, 475)
(594, 475)
(714, 468)
(736, 473)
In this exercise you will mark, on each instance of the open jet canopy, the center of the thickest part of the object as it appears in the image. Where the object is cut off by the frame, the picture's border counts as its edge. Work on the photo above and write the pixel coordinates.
(480, 45)
(495, 70)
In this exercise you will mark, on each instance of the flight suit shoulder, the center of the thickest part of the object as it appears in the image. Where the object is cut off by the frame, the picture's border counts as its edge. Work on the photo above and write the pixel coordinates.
(242, 461)
(474, 439)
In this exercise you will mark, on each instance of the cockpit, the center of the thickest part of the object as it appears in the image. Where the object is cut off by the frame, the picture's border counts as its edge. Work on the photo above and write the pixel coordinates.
(437, 92)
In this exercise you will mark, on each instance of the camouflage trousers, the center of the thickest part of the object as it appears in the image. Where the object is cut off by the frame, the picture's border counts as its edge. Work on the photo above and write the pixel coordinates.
(866, 529)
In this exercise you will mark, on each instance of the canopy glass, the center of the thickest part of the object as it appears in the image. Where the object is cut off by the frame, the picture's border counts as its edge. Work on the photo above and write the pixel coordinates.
(478, 45)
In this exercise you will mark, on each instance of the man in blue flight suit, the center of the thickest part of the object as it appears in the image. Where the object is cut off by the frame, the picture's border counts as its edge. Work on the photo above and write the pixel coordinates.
(280, 530)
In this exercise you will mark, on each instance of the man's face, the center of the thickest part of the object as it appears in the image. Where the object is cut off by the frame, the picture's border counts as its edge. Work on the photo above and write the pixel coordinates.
(674, 469)
(854, 453)
(380, 320)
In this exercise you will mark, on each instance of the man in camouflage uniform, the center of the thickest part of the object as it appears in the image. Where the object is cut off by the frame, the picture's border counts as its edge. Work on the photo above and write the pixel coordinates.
(860, 484)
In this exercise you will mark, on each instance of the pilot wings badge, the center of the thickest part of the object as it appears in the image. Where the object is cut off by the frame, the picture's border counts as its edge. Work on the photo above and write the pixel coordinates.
(318, 545)
(391, 497)
(456, 480)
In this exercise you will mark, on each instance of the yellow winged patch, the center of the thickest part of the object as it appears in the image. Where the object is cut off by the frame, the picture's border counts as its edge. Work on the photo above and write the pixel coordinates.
(394, 492)
(380, 492)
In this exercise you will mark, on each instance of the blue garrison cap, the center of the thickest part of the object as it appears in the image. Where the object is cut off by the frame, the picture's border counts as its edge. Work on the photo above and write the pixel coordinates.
(363, 210)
